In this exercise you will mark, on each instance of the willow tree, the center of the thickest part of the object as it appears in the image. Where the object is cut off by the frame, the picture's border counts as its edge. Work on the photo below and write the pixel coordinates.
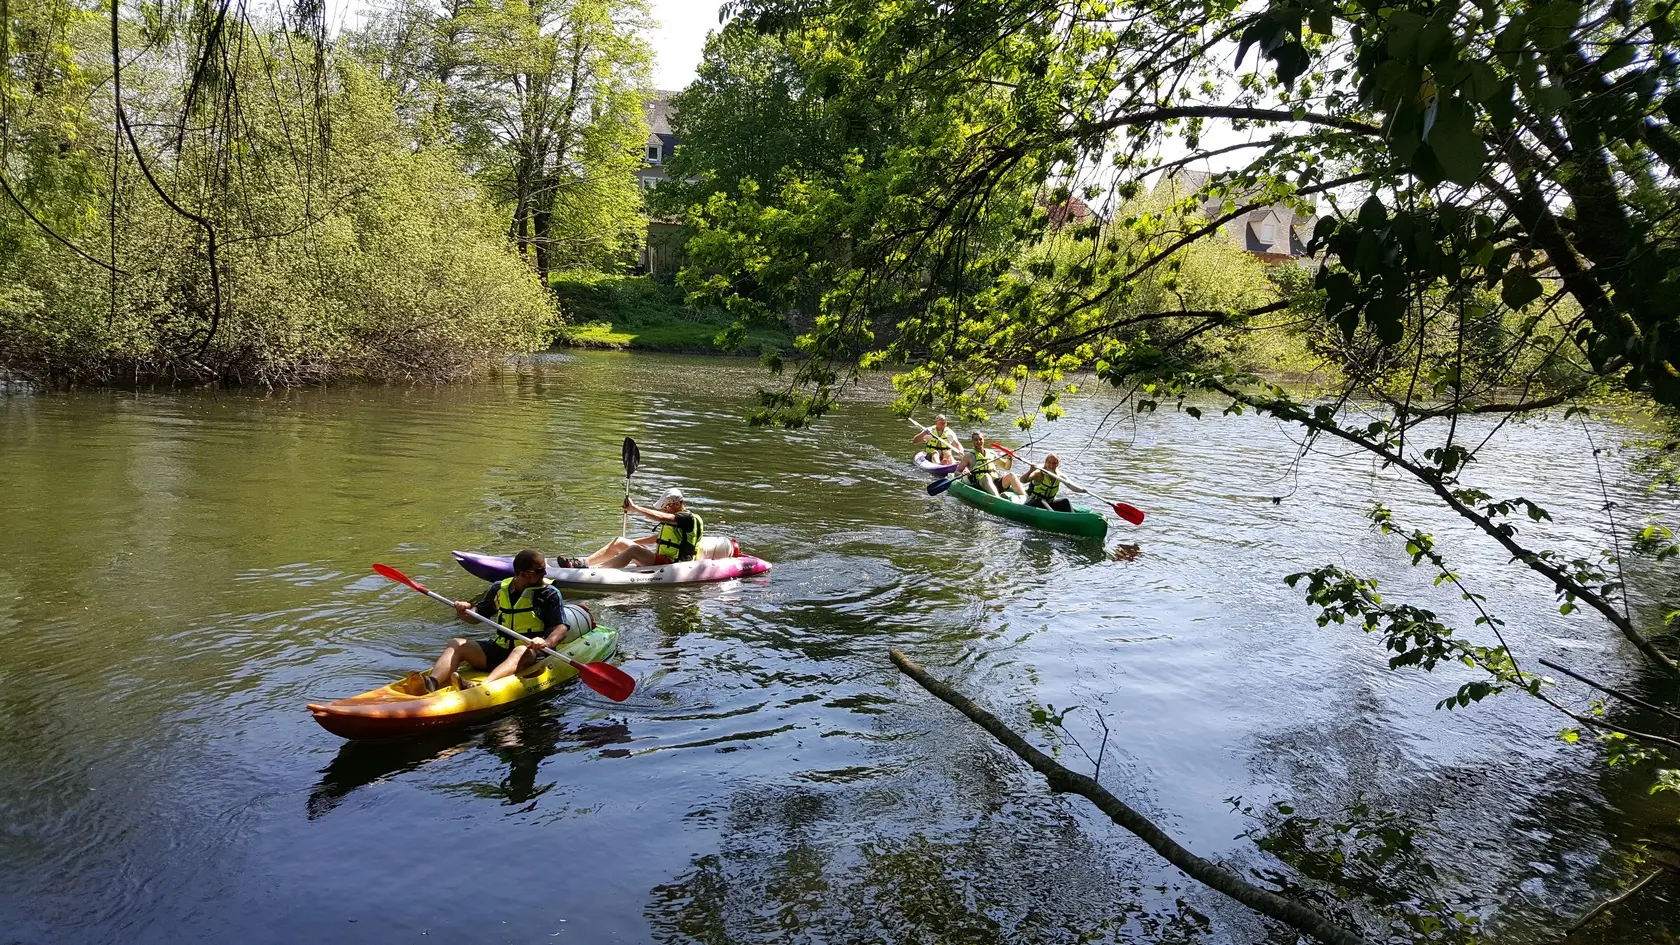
(1498, 197)
(200, 191)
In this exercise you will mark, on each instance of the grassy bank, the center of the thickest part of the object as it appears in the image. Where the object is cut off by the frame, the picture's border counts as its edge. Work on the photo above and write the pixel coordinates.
(638, 312)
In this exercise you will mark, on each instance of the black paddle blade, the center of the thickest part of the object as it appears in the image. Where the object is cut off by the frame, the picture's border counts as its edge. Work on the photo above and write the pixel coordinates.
(939, 485)
(632, 457)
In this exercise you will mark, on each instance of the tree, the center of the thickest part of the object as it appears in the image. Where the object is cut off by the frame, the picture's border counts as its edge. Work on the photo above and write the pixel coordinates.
(1501, 199)
(544, 97)
(233, 206)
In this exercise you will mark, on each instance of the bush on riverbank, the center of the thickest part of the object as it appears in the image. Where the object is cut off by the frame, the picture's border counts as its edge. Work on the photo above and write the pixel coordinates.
(639, 312)
(344, 246)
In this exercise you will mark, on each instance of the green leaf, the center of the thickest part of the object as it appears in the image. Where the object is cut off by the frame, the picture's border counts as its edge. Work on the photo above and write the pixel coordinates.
(1456, 144)
(1519, 288)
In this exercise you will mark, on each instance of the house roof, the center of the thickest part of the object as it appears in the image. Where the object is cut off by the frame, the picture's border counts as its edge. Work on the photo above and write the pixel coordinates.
(657, 109)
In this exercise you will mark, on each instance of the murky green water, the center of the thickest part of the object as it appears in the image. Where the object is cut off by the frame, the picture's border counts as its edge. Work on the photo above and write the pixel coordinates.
(181, 573)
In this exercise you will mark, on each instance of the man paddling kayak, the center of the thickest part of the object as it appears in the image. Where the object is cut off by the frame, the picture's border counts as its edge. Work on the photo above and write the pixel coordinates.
(676, 539)
(1042, 489)
(525, 603)
(942, 444)
(985, 472)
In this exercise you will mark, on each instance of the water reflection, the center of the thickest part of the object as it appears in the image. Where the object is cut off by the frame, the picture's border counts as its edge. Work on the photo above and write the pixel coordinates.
(523, 741)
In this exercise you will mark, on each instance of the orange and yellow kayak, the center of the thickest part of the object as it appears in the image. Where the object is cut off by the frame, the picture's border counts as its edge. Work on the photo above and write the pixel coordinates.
(405, 708)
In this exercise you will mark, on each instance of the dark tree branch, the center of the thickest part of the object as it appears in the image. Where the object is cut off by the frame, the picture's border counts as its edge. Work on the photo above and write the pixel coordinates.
(1062, 780)
(1625, 697)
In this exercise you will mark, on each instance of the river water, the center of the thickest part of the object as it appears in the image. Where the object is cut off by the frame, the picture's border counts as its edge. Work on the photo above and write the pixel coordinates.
(181, 573)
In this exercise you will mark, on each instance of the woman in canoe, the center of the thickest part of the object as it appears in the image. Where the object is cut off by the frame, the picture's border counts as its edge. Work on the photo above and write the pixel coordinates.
(1042, 488)
(942, 444)
(986, 472)
(677, 538)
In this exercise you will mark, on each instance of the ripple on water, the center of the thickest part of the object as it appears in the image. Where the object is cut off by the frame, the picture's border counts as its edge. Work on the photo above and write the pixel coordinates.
(774, 778)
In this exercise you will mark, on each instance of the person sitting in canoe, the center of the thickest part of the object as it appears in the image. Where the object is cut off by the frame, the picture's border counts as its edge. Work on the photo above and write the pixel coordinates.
(677, 537)
(986, 473)
(1042, 489)
(942, 443)
(525, 603)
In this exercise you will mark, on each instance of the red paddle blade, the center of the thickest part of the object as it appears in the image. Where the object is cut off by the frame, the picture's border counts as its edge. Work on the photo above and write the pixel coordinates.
(385, 570)
(1000, 446)
(606, 679)
(1130, 513)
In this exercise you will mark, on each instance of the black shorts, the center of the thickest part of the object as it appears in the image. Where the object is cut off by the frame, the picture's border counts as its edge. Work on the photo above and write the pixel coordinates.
(494, 653)
(997, 482)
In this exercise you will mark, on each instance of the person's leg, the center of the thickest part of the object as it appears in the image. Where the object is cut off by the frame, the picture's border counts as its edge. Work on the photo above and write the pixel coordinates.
(1010, 481)
(611, 550)
(519, 658)
(460, 650)
(1061, 505)
(633, 556)
(984, 483)
(1036, 502)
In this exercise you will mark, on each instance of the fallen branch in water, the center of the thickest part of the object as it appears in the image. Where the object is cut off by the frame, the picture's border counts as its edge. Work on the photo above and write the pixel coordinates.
(1612, 902)
(1063, 780)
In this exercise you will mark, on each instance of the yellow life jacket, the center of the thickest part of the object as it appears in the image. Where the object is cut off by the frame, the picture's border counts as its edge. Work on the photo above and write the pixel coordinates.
(680, 545)
(519, 615)
(982, 465)
(940, 442)
(1044, 488)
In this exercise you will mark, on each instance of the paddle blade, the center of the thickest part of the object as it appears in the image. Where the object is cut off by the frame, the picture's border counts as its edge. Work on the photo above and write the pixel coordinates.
(606, 679)
(632, 457)
(1000, 446)
(939, 485)
(1130, 513)
(385, 570)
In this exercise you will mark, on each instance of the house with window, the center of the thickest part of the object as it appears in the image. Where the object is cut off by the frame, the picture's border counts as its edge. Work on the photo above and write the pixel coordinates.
(661, 252)
(1274, 233)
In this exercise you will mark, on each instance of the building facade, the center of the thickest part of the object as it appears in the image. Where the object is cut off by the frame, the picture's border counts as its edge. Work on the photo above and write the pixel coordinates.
(661, 252)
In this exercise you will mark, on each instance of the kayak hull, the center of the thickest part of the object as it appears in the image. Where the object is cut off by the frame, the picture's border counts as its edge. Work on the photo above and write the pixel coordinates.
(497, 567)
(403, 708)
(1080, 523)
(937, 470)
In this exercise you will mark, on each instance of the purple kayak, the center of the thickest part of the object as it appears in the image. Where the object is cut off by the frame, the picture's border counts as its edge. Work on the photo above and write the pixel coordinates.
(936, 470)
(725, 562)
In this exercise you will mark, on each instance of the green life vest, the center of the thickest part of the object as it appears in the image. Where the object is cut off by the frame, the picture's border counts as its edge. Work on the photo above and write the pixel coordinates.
(680, 545)
(1043, 488)
(519, 615)
(940, 442)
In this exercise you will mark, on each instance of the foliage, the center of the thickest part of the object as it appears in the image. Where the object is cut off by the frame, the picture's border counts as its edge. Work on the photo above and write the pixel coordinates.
(544, 99)
(296, 236)
(1497, 196)
(612, 311)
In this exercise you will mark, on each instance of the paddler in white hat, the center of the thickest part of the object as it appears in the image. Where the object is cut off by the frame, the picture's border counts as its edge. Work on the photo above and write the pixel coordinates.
(677, 537)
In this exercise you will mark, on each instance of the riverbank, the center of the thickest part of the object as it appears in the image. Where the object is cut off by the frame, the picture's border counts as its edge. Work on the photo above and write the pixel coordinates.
(641, 314)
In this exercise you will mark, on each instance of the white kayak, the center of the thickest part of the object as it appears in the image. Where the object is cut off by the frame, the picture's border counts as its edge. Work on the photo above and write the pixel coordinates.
(722, 561)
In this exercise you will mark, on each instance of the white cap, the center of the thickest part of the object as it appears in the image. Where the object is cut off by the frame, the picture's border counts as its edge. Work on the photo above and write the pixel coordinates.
(670, 496)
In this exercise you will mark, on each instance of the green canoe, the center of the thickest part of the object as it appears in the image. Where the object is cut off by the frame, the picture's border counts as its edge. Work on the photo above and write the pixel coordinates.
(1084, 524)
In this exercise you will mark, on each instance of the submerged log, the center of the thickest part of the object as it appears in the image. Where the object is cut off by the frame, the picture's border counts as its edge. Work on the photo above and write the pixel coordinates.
(1063, 780)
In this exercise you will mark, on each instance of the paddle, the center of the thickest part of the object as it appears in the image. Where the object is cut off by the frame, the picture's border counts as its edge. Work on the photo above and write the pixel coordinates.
(608, 680)
(1130, 513)
(632, 459)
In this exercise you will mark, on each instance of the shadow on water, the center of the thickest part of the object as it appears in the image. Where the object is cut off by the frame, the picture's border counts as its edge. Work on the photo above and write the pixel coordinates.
(522, 740)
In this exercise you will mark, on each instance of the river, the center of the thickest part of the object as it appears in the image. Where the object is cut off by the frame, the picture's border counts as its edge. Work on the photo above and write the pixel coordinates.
(182, 572)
